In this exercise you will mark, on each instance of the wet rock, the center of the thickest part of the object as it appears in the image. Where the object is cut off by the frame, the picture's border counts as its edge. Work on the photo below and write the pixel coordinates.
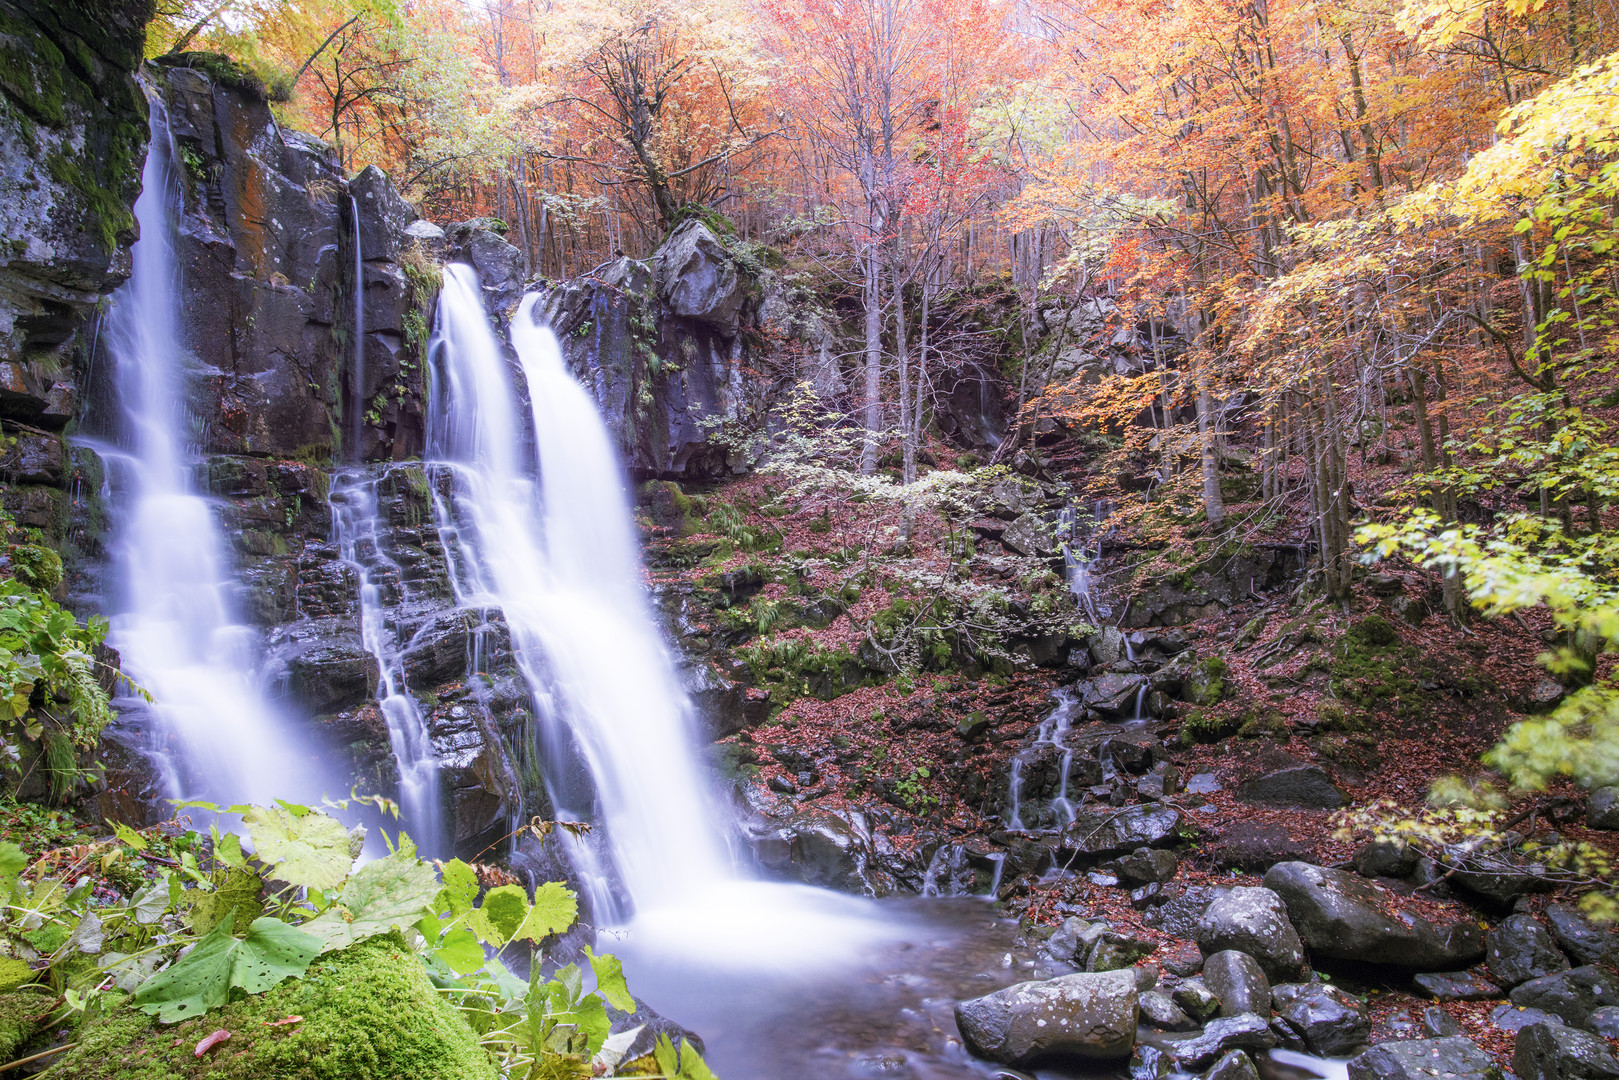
(1196, 999)
(1029, 535)
(331, 672)
(1457, 986)
(1233, 1066)
(1510, 1017)
(1115, 951)
(1305, 786)
(1160, 1011)
(1385, 858)
(1220, 1037)
(1554, 1052)
(1341, 916)
(1074, 939)
(1149, 895)
(1602, 808)
(1150, 1063)
(1115, 832)
(1250, 846)
(1439, 1024)
(1237, 980)
(1582, 939)
(1181, 961)
(1178, 917)
(1604, 1021)
(1500, 878)
(698, 279)
(1146, 865)
(1572, 995)
(1330, 1021)
(1085, 1016)
(1425, 1059)
(1520, 949)
(1253, 921)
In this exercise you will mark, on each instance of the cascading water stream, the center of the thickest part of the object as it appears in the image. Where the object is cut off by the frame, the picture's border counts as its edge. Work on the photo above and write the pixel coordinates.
(358, 330)
(356, 528)
(174, 623)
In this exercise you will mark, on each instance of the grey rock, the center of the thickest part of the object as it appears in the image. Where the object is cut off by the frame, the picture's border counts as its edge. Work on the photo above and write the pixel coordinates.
(1150, 1063)
(1425, 1059)
(1203, 784)
(1239, 983)
(1248, 845)
(1115, 832)
(1146, 865)
(698, 279)
(1029, 535)
(1116, 951)
(1602, 808)
(1084, 1015)
(1572, 995)
(1385, 858)
(1305, 786)
(1341, 916)
(1604, 1021)
(1510, 1017)
(1330, 1021)
(1220, 1037)
(1500, 878)
(1253, 921)
(1520, 949)
(1160, 1011)
(1554, 1052)
(1457, 986)
(1582, 939)
(1074, 938)
(1178, 917)
(1235, 1065)
(1196, 999)
(1439, 1024)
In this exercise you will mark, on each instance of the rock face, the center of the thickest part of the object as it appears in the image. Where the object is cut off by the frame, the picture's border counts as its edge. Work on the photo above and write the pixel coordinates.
(1084, 1016)
(1423, 1059)
(661, 346)
(1520, 949)
(72, 140)
(1554, 1052)
(1342, 917)
(1253, 921)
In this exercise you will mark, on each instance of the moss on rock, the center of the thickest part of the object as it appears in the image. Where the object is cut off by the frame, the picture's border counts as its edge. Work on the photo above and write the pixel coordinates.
(369, 1013)
(22, 1015)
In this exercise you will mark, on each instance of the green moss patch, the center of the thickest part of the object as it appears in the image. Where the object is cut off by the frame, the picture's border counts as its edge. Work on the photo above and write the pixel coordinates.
(368, 1013)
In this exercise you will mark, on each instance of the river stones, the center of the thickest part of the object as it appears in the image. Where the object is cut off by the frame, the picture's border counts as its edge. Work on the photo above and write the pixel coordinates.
(1253, 921)
(1586, 942)
(1425, 1059)
(1087, 1015)
(1237, 980)
(1116, 832)
(1550, 1051)
(1521, 949)
(1247, 1032)
(1572, 995)
(1305, 786)
(1340, 916)
(1329, 1021)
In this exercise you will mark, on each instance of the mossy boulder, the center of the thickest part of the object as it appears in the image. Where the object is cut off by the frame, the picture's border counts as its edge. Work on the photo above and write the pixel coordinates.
(1206, 684)
(368, 1013)
(22, 1015)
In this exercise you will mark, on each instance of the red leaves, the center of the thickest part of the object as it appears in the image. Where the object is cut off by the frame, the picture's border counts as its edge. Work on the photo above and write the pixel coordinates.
(212, 1041)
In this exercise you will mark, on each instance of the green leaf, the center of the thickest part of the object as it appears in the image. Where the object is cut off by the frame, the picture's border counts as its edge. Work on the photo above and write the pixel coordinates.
(663, 1052)
(460, 888)
(128, 835)
(237, 898)
(13, 861)
(554, 909)
(271, 952)
(692, 1065)
(610, 980)
(390, 892)
(501, 914)
(308, 849)
(460, 951)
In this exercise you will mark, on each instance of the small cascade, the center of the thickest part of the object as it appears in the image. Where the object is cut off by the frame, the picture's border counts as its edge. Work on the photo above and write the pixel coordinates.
(174, 621)
(357, 531)
(1052, 732)
(1081, 548)
(357, 422)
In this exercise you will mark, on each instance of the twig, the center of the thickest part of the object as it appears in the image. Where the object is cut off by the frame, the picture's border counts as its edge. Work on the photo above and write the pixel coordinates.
(36, 1057)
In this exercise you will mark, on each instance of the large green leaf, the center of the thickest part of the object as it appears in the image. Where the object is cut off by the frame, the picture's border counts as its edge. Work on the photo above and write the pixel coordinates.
(460, 888)
(396, 891)
(271, 951)
(237, 895)
(308, 849)
(554, 909)
(500, 915)
(610, 982)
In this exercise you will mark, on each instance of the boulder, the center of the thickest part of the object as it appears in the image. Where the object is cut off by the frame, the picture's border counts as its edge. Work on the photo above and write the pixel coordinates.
(1196, 999)
(1439, 1024)
(1520, 949)
(1340, 916)
(1510, 1017)
(1160, 1011)
(1425, 1059)
(1253, 921)
(1330, 1022)
(1604, 1021)
(1582, 939)
(1146, 865)
(1572, 995)
(1602, 808)
(1115, 832)
(1386, 858)
(698, 279)
(1500, 878)
(1238, 982)
(1234, 1066)
(1220, 1037)
(1029, 535)
(1305, 786)
(1179, 915)
(1248, 845)
(1085, 1016)
(1554, 1052)
(1074, 939)
(1457, 986)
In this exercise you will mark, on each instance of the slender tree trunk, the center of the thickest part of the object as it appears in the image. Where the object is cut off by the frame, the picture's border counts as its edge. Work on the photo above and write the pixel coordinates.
(1207, 425)
(871, 399)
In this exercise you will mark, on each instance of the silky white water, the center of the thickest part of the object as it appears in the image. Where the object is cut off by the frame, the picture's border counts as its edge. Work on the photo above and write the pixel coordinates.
(175, 626)
(545, 532)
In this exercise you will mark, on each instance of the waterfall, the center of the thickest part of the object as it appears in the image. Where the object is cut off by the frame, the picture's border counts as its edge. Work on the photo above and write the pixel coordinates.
(542, 528)
(358, 330)
(356, 528)
(174, 623)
